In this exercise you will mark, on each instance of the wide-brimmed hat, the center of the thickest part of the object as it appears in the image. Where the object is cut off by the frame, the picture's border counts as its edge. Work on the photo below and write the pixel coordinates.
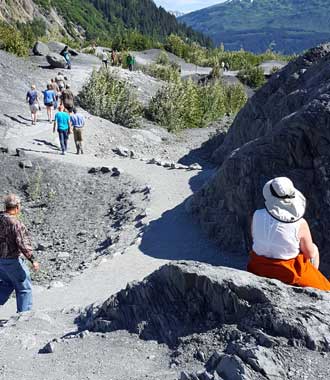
(283, 201)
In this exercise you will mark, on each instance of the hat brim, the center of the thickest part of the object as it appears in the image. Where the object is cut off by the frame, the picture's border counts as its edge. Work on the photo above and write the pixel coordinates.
(287, 210)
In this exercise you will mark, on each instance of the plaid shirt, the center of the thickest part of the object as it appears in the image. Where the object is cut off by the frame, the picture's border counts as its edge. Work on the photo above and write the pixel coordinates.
(14, 238)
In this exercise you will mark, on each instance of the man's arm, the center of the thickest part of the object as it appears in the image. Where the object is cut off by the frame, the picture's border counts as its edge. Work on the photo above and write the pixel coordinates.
(24, 244)
(54, 125)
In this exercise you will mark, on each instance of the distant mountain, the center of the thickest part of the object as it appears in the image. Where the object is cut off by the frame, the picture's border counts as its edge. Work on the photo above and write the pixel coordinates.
(285, 25)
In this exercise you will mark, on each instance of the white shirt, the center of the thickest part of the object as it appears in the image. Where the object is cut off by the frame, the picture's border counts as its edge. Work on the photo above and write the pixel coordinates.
(274, 239)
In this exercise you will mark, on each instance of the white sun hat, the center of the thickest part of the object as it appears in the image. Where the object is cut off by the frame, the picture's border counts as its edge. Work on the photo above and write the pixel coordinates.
(283, 201)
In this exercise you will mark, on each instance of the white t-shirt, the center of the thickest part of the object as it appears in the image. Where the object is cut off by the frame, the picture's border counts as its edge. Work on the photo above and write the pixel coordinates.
(274, 239)
(104, 56)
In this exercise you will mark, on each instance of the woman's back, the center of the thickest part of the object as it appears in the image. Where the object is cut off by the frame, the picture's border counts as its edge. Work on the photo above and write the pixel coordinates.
(274, 239)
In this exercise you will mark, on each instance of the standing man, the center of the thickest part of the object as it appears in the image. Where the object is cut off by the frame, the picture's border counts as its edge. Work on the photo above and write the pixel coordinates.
(67, 98)
(33, 100)
(105, 58)
(77, 122)
(63, 124)
(15, 244)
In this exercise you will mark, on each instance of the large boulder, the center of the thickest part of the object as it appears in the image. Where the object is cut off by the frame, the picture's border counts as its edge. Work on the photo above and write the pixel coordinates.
(282, 131)
(57, 47)
(56, 61)
(40, 48)
(254, 315)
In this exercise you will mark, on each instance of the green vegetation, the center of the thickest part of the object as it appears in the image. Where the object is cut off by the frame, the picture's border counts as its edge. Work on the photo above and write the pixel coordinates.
(252, 76)
(107, 96)
(236, 60)
(12, 40)
(167, 73)
(163, 58)
(184, 104)
(124, 24)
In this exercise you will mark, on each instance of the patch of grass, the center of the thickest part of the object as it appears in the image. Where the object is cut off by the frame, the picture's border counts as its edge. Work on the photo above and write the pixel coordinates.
(252, 76)
(12, 40)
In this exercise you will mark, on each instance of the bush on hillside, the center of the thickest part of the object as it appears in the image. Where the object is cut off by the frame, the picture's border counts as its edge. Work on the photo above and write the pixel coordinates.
(252, 76)
(163, 59)
(166, 73)
(107, 96)
(12, 40)
(184, 104)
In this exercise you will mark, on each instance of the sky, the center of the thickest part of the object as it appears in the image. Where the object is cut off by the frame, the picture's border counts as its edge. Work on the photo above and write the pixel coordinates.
(186, 5)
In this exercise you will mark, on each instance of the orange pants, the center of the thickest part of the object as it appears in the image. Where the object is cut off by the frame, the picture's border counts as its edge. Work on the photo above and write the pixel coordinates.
(298, 271)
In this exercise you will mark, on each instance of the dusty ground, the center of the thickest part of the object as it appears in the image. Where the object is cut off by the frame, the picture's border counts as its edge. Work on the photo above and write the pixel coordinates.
(71, 274)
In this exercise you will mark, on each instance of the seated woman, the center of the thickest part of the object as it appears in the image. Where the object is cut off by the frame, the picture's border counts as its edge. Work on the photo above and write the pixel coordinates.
(282, 243)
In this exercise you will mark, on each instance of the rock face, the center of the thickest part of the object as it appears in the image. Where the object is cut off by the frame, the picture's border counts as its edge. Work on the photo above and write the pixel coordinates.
(256, 316)
(56, 61)
(40, 49)
(282, 131)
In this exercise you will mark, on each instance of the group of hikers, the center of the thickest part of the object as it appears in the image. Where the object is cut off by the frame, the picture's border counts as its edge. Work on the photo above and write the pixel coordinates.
(117, 60)
(59, 97)
(282, 248)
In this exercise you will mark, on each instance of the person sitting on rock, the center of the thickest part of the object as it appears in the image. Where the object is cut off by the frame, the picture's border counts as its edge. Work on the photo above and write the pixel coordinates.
(66, 56)
(282, 243)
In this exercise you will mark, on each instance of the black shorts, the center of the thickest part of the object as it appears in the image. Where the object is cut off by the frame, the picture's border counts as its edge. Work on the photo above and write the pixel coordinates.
(49, 104)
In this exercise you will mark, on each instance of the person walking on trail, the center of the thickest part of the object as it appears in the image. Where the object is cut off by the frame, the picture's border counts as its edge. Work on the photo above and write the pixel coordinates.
(49, 100)
(33, 100)
(66, 56)
(113, 57)
(60, 81)
(77, 123)
(56, 89)
(15, 248)
(105, 59)
(63, 125)
(67, 98)
(130, 62)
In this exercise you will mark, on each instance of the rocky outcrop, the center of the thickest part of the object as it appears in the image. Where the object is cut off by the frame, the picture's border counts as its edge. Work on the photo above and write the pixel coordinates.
(40, 48)
(282, 131)
(56, 61)
(255, 316)
(181, 299)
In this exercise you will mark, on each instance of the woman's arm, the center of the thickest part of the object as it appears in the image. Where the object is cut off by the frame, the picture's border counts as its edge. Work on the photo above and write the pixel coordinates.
(307, 246)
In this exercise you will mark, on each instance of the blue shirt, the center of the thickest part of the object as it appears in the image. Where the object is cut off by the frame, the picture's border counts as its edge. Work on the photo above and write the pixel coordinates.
(62, 119)
(77, 120)
(32, 96)
(49, 96)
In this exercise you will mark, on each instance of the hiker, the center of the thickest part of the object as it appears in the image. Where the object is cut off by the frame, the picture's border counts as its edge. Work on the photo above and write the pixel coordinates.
(67, 98)
(113, 57)
(63, 125)
(77, 123)
(33, 100)
(60, 80)
(282, 243)
(223, 66)
(65, 54)
(15, 246)
(49, 100)
(56, 89)
(226, 66)
(105, 59)
(130, 61)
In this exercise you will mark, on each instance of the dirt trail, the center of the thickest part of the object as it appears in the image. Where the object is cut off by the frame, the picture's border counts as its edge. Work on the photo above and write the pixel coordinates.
(170, 233)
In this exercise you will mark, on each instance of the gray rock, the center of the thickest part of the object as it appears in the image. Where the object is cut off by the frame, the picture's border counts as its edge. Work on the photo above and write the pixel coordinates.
(105, 169)
(204, 375)
(57, 47)
(56, 61)
(287, 135)
(158, 307)
(185, 376)
(124, 152)
(20, 152)
(48, 349)
(40, 48)
(200, 356)
(115, 172)
(195, 167)
(233, 368)
(25, 164)
(4, 149)
(213, 361)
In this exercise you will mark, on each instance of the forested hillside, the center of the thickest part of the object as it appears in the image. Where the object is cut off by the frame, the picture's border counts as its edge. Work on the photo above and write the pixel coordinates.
(288, 26)
(122, 20)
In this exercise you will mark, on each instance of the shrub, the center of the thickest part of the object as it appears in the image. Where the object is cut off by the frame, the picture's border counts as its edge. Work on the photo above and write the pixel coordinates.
(184, 104)
(166, 73)
(252, 76)
(12, 41)
(107, 96)
(163, 59)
